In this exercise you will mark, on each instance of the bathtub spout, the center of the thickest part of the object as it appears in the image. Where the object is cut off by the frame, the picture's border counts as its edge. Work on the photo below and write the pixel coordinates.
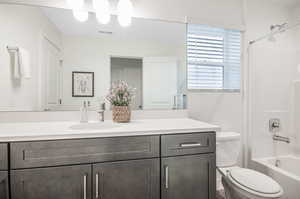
(281, 138)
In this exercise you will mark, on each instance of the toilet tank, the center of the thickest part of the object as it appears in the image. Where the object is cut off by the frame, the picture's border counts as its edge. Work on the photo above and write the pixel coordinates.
(228, 146)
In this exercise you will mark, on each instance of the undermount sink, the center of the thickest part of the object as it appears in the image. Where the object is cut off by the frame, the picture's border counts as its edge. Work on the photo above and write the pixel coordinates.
(93, 126)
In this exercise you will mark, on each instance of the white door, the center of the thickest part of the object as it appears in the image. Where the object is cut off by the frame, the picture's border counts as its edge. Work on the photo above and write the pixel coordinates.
(52, 75)
(159, 82)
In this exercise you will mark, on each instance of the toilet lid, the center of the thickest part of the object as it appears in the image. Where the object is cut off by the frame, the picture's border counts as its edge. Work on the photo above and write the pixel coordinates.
(255, 181)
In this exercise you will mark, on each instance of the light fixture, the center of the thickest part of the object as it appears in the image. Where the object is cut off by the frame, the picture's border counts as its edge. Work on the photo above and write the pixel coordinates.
(75, 4)
(81, 16)
(78, 14)
(124, 20)
(103, 18)
(102, 10)
(125, 9)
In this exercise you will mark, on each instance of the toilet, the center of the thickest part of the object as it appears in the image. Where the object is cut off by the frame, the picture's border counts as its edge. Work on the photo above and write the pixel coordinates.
(241, 183)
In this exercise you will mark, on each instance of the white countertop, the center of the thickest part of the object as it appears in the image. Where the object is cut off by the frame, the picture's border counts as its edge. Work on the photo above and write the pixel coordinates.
(33, 131)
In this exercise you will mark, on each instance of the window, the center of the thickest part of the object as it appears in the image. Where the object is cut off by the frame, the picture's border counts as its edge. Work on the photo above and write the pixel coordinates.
(213, 58)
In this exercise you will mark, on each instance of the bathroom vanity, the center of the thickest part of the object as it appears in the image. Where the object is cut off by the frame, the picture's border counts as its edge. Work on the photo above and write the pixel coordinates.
(146, 159)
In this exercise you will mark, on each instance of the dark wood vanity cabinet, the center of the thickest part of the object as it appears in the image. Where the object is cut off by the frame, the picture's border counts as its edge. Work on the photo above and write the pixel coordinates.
(188, 166)
(111, 168)
(82, 151)
(4, 191)
(143, 167)
(135, 179)
(188, 177)
(67, 182)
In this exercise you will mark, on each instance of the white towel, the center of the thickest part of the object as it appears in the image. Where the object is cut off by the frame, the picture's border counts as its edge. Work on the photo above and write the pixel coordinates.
(16, 65)
(24, 58)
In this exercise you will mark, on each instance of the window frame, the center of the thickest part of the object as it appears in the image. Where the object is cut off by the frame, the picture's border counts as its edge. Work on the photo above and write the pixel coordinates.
(216, 90)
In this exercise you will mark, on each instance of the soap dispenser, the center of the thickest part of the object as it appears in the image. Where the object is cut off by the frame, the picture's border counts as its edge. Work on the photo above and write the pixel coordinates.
(84, 112)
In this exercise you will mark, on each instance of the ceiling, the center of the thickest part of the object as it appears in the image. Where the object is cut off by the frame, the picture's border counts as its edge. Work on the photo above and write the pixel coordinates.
(140, 29)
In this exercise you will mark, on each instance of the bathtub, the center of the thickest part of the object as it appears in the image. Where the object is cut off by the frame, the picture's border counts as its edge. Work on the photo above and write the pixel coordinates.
(286, 173)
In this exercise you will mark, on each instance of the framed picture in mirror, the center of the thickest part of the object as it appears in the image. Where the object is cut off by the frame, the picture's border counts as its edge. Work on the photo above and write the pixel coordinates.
(82, 84)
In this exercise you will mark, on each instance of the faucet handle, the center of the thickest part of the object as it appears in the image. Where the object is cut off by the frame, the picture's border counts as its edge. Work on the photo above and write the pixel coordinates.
(102, 106)
(274, 125)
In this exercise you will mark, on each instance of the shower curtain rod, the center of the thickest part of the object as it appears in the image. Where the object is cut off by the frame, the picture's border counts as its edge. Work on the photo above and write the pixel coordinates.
(273, 33)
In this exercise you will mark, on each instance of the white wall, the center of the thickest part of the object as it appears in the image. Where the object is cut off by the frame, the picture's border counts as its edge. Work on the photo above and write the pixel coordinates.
(272, 71)
(224, 109)
(21, 26)
(227, 13)
(296, 32)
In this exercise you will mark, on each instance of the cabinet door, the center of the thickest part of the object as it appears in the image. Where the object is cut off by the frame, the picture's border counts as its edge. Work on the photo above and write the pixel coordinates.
(189, 177)
(136, 179)
(3, 157)
(3, 184)
(69, 182)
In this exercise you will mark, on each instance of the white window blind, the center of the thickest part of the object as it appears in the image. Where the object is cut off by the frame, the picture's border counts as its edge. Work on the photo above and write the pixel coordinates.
(213, 57)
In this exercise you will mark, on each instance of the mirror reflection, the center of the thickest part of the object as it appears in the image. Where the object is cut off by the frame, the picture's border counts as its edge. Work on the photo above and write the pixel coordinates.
(50, 61)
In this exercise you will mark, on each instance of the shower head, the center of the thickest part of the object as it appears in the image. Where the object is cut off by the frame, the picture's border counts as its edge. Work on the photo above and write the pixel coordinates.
(275, 29)
(278, 27)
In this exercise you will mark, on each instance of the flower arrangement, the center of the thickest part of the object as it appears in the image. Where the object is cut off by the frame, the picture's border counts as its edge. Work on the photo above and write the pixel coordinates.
(120, 94)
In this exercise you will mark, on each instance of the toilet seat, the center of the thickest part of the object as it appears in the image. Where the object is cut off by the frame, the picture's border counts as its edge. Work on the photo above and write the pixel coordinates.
(254, 182)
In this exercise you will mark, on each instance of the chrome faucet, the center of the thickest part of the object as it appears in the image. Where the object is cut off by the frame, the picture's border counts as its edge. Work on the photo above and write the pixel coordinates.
(281, 138)
(274, 127)
(101, 112)
(84, 112)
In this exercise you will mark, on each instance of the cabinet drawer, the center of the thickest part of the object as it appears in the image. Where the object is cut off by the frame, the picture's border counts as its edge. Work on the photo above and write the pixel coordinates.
(3, 157)
(184, 144)
(65, 152)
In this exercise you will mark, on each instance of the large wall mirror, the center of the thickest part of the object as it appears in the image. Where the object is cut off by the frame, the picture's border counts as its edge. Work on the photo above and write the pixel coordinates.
(51, 61)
